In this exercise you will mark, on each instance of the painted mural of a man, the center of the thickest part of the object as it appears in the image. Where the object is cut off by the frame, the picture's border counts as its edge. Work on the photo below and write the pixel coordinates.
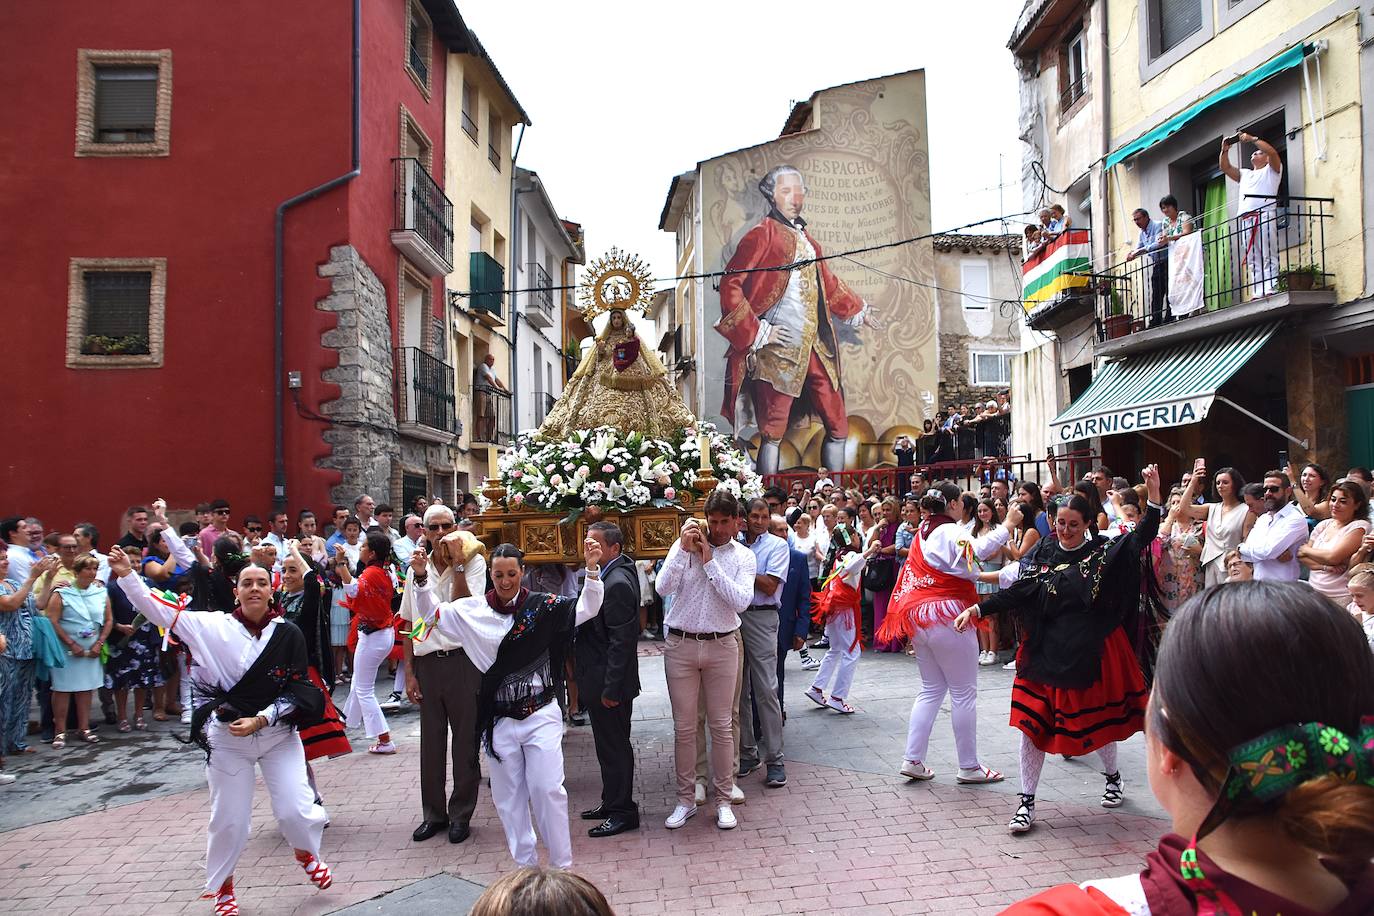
(782, 327)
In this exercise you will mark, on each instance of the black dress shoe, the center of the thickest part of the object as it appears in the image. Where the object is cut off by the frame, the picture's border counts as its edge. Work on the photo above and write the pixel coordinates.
(457, 833)
(427, 829)
(595, 814)
(614, 824)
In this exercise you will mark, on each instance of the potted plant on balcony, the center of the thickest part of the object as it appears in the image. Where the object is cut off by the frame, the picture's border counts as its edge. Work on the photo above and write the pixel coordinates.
(96, 345)
(1302, 277)
(1117, 323)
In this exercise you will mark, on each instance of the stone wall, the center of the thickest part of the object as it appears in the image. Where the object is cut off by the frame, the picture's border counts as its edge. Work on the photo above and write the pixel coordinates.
(956, 372)
(363, 436)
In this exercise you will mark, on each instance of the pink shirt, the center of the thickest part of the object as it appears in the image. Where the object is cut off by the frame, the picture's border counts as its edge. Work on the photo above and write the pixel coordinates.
(208, 535)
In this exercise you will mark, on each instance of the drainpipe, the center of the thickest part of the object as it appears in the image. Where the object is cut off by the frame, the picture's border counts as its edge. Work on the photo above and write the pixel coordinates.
(514, 256)
(279, 251)
(1106, 104)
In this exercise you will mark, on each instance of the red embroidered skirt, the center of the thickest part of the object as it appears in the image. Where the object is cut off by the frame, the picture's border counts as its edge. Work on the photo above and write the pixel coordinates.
(327, 739)
(1061, 720)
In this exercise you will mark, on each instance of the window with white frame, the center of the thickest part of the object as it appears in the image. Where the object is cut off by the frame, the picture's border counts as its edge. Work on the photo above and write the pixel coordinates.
(974, 284)
(991, 368)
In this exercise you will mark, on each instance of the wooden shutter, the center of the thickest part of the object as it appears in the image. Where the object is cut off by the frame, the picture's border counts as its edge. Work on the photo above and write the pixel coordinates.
(126, 99)
(117, 302)
(1177, 20)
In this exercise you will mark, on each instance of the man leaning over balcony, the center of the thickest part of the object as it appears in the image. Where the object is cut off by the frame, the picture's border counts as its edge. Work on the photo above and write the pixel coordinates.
(487, 385)
(1258, 219)
(1152, 243)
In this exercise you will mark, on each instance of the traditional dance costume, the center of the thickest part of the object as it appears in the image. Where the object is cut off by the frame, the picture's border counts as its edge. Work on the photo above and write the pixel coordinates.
(936, 586)
(519, 648)
(837, 609)
(374, 639)
(247, 669)
(308, 609)
(1079, 686)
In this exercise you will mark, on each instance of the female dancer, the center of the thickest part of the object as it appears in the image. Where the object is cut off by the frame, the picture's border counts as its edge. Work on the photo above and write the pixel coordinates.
(304, 603)
(369, 598)
(253, 670)
(1268, 781)
(1078, 687)
(934, 587)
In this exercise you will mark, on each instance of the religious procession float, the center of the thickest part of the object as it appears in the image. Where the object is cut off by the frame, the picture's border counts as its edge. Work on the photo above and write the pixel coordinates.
(619, 444)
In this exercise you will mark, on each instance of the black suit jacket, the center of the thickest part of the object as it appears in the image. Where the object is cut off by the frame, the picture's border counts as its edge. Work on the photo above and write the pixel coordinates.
(607, 646)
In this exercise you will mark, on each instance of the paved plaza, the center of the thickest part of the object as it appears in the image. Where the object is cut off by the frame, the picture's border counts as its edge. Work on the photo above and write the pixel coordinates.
(119, 828)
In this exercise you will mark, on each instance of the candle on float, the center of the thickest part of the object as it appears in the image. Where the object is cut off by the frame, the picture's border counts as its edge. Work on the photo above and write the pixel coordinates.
(704, 446)
(493, 472)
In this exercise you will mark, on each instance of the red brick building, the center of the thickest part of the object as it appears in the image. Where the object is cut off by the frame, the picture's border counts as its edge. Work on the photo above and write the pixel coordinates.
(222, 220)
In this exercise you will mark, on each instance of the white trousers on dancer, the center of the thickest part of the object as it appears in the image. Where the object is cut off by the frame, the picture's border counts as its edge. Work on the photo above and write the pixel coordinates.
(949, 664)
(840, 660)
(278, 752)
(373, 648)
(398, 684)
(530, 775)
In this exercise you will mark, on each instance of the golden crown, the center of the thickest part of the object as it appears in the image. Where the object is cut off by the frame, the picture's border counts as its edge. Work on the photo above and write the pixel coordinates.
(616, 280)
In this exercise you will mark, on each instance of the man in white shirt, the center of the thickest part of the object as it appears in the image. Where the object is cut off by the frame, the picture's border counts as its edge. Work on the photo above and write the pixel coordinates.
(16, 537)
(276, 535)
(1272, 547)
(442, 681)
(1258, 210)
(710, 577)
(364, 507)
(759, 629)
(405, 545)
(88, 541)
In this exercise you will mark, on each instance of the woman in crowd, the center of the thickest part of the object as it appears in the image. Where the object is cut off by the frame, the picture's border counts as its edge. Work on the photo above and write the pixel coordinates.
(252, 670)
(866, 522)
(804, 539)
(134, 661)
(1227, 520)
(1268, 782)
(1237, 569)
(1177, 550)
(369, 598)
(986, 523)
(1079, 686)
(80, 613)
(881, 569)
(17, 659)
(305, 603)
(1311, 491)
(338, 612)
(1033, 505)
(1336, 540)
(1099, 517)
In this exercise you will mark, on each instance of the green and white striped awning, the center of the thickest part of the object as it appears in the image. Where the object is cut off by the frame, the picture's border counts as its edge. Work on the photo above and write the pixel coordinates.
(1170, 387)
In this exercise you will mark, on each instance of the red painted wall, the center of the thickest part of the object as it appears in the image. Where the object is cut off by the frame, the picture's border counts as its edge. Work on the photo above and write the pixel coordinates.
(260, 112)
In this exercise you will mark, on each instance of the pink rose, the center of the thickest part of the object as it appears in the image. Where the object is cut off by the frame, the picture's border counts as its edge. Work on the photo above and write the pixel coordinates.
(517, 474)
(518, 498)
(669, 493)
(608, 468)
(556, 480)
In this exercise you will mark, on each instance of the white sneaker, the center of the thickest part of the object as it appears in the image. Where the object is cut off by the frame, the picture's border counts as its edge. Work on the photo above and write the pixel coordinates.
(186, 718)
(700, 795)
(725, 818)
(1010, 666)
(914, 769)
(679, 816)
(7, 778)
(810, 663)
(392, 703)
(736, 795)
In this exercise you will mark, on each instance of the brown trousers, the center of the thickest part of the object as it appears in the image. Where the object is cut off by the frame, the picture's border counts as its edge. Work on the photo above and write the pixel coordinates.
(448, 723)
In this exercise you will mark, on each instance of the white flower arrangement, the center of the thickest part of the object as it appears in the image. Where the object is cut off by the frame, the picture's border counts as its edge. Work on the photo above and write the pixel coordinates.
(614, 471)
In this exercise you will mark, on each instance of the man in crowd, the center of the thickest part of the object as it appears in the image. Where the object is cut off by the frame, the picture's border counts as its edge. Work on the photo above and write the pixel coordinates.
(710, 577)
(252, 532)
(335, 532)
(1259, 185)
(88, 541)
(218, 527)
(794, 609)
(276, 536)
(1272, 546)
(608, 681)
(759, 628)
(16, 536)
(137, 536)
(364, 507)
(443, 681)
(404, 546)
(1151, 243)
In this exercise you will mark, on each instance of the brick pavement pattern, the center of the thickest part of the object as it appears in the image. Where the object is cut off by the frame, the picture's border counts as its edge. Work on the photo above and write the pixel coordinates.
(837, 838)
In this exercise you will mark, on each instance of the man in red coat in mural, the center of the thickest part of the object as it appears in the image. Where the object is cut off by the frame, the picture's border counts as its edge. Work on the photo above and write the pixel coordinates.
(784, 327)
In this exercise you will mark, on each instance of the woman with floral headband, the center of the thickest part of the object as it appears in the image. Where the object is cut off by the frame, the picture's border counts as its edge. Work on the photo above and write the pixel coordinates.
(1269, 781)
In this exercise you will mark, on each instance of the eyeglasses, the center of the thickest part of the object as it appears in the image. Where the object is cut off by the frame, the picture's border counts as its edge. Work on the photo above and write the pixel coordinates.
(440, 526)
(221, 511)
(254, 529)
(64, 547)
(1270, 488)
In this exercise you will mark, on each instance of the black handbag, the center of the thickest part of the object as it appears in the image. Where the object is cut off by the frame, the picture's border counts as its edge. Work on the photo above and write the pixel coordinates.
(880, 575)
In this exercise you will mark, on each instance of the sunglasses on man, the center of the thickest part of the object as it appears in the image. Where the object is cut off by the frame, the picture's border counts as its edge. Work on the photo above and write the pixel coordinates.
(440, 526)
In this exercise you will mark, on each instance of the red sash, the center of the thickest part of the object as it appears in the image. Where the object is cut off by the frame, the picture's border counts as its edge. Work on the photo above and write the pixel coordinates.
(838, 599)
(923, 597)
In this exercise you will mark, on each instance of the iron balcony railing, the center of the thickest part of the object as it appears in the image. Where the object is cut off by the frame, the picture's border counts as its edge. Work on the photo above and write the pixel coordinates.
(1278, 248)
(540, 294)
(424, 391)
(417, 63)
(422, 208)
(491, 415)
(487, 279)
(469, 125)
(494, 156)
(543, 403)
(1074, 91)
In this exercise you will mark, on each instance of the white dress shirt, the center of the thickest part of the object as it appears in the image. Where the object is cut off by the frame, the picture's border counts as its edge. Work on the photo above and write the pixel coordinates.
(481, 629)
(707, 598)
(1274, 534)
(475, 571)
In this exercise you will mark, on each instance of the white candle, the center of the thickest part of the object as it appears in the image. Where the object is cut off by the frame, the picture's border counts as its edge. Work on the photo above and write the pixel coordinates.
(493, 471)
(704, 445)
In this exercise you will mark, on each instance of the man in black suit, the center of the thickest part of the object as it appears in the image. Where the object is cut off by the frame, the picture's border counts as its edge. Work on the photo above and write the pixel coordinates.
(606, 650)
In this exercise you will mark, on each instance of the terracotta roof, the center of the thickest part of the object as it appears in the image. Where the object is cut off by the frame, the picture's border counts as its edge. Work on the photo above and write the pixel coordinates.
(956, 241)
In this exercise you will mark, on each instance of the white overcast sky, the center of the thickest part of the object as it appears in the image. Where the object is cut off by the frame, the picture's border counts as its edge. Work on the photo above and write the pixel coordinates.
(625, 95)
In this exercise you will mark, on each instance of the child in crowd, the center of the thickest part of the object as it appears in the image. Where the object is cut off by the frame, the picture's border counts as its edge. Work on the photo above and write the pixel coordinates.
(1362, 599)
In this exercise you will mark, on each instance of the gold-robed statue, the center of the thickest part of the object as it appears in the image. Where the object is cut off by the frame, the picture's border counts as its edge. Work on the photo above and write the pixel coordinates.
(620, 382)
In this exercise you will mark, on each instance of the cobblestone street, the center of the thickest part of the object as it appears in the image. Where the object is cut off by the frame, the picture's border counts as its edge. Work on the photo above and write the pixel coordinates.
(119, 828)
